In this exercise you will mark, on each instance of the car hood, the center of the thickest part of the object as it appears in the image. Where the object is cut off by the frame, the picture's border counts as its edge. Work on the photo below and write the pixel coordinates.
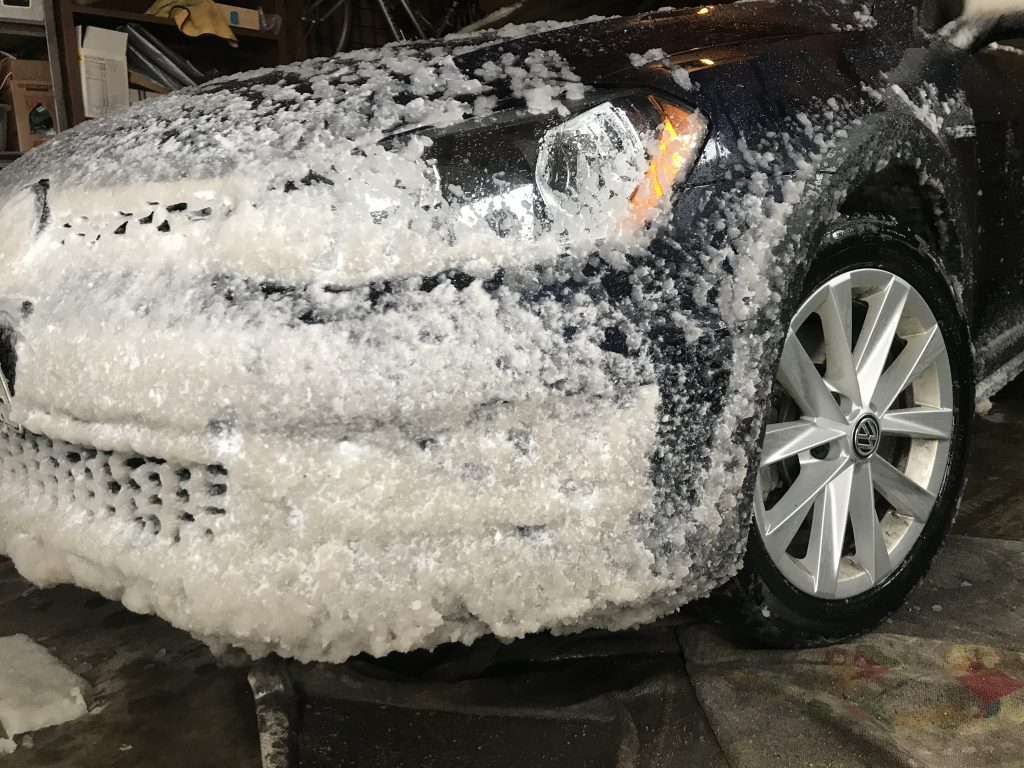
(282, 174)
(337, 105)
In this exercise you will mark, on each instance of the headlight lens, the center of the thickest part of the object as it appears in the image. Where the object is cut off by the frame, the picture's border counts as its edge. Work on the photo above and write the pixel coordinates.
(609, 168)
(590, 159)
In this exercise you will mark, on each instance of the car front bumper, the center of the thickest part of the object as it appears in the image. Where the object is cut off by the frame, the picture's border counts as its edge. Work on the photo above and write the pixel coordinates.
(317, 463)
(454, 464)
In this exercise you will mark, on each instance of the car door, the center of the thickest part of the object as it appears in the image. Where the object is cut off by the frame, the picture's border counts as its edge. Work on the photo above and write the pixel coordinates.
(993, 79)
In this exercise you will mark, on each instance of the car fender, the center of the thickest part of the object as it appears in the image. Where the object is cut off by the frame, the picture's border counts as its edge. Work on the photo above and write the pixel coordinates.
(875, 142)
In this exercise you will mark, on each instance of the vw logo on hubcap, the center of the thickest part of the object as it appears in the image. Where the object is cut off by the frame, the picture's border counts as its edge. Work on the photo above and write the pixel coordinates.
(865, 436)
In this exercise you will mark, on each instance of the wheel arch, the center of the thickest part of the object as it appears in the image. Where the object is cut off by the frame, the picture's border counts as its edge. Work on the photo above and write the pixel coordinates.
(857, 177)
(894, 166)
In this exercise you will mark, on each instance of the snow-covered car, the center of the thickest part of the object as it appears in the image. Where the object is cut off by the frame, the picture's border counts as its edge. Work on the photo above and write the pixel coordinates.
(559, 326)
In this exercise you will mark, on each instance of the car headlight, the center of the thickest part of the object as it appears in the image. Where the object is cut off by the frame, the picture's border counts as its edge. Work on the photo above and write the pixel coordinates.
(607, 169)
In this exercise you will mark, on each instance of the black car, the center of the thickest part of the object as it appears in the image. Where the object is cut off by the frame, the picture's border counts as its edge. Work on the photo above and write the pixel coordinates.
(557, 326)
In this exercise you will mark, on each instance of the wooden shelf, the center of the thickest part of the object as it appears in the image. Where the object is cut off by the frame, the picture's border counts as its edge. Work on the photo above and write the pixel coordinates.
(94, 12)
(11, 28)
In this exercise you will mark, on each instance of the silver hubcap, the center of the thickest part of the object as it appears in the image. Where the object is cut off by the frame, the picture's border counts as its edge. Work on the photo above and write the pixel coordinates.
(858, 433)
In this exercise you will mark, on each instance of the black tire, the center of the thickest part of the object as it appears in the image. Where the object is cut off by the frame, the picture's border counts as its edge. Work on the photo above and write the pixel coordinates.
(759, 602)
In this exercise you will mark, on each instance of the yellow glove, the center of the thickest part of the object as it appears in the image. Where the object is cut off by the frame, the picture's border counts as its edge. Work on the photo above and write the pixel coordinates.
(195, 17)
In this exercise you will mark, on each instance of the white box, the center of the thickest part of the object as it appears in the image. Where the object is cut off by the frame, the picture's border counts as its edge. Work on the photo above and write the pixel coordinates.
(21, 10)
(103, 63)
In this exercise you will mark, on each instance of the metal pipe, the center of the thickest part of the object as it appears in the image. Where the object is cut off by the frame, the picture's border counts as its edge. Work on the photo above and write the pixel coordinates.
(346, 26)
(389, 20)
(412, 17)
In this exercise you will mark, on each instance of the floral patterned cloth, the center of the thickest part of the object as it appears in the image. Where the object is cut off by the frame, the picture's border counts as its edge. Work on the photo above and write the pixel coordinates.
(887, 700)
(942, 685)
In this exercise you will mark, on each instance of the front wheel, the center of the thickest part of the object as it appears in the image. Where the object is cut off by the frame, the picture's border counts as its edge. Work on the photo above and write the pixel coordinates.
(865, 444)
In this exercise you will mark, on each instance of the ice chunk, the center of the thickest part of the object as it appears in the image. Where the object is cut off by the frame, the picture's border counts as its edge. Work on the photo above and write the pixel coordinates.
(36, 690)
(658, 56)
(643, 59)
(682, 78)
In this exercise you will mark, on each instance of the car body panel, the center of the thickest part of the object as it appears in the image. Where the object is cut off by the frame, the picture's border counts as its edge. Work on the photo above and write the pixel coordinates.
(429, 437)
(994, 81)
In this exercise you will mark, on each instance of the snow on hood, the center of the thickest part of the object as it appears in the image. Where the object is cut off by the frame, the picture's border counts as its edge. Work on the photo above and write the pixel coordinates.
(281, 174)
(337, 105)
(234, 148)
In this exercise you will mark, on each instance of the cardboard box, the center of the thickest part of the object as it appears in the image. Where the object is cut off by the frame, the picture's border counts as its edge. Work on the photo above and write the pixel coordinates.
(245, 18)
(29, 94)
(21, 10)
(103, 64)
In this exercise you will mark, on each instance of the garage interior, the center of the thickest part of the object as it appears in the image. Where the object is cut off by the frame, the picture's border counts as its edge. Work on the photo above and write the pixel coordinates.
(681, 692)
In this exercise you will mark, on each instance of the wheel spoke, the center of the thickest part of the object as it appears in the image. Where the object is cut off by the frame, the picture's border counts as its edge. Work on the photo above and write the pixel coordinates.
(922, 422)
(791, 437)
(870, 550)
(828, 529)
(920, 352)
(885, 309)
(801, 380)
(780, 523)
(906, 496)
(836, 313)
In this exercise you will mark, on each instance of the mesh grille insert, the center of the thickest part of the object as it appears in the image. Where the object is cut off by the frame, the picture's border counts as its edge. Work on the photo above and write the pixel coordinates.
(160, 497)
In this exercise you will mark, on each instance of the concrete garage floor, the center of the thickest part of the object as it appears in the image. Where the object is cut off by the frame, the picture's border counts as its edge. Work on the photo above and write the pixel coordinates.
(600, 699)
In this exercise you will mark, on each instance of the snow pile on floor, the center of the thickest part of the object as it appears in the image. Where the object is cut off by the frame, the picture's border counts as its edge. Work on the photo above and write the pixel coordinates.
(36, 690)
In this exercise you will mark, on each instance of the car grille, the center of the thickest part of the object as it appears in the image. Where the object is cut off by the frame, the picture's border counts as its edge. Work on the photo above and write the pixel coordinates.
(161, 498)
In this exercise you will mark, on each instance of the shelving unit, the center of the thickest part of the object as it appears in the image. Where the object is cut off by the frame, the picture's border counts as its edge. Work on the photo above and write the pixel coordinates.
(90, 14)
(210, 54)
(21, 29)
(55, 39)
